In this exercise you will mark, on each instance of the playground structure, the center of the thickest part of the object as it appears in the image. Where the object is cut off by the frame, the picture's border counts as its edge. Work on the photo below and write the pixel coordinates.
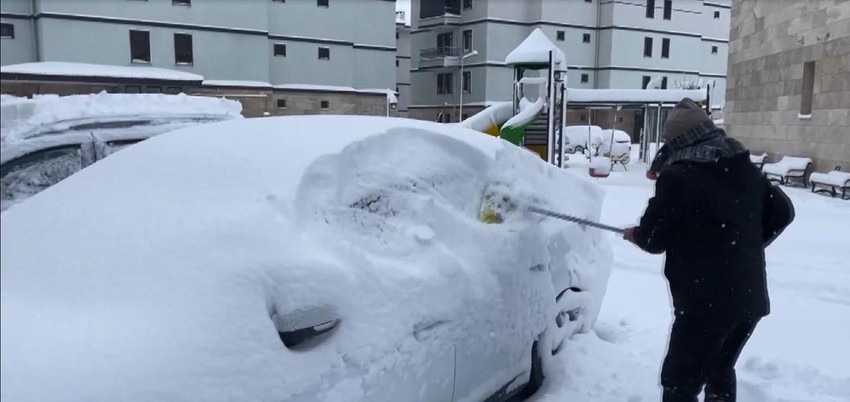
(537, 120)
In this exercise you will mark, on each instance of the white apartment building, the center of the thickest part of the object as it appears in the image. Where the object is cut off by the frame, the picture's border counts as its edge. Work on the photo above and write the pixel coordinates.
(608, 44)
(320, 43)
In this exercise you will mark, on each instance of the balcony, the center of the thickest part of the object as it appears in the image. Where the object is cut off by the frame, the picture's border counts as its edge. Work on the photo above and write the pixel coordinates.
(440, 14)
(440, 57)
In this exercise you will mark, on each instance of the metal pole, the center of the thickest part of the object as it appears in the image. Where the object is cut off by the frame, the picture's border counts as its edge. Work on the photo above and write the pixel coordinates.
(551, 103)
(574, 219)
(658, 130)
(460, 108)
(562, 141)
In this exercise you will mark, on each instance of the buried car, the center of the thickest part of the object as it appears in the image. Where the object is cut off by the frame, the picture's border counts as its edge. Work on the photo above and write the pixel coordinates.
(48, 138)
(303, 258)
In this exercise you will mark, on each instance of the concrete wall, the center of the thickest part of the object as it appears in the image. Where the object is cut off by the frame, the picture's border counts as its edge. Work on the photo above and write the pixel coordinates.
(770, 42)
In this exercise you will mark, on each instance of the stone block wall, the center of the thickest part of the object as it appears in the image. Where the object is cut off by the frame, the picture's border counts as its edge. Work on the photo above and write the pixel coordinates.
(770, 42)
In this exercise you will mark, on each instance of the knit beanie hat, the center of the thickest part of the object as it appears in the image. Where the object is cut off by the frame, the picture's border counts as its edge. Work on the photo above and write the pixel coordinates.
(684, 116)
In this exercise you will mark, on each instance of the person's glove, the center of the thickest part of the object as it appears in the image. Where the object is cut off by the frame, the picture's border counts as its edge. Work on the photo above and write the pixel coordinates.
(629, 234)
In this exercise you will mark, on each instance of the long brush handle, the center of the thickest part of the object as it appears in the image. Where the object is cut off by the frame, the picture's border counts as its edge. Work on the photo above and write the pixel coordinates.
(574, 219)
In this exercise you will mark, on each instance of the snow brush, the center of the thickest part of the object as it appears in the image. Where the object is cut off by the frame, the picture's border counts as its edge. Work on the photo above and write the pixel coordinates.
(570, 218)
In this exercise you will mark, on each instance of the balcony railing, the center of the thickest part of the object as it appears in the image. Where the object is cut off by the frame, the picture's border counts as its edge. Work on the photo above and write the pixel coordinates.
(439, 57)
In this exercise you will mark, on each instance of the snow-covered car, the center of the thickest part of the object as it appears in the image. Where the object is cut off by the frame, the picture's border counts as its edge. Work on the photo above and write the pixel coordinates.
(308, 258)
(48, 138)
(576, 138)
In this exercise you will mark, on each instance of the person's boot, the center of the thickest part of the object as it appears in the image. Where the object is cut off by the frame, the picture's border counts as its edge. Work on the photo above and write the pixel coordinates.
(674, 394)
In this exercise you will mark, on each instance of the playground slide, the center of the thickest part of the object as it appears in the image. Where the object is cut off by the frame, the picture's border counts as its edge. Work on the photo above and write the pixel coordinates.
(498, 119)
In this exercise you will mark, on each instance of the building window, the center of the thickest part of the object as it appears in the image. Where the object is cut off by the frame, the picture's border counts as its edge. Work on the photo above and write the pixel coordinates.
(561, 35)
(646, 80)
(323, 3)
(444, 83)
(7, 31)
(585, 78)
(668, 9)
(280, 49)
(153, 89)
(446, 118)
(324, 53)
(396, 35)
(465, 116)
(716, 14)
(281, 103)
(808, 89)
(445, 40)
(588, 1)
(173, 90)
(647, 47)
(183, 48)
(714, 50)
(140, 46)
(467, 82)
(396, 63)
(583, 117)
(278, 1)
(181, 2)
(325, 104)
(132, 89)
(664, 82)
(585, 38)
(467, 40)
(665, 48)
(650, 8)
(467, 4)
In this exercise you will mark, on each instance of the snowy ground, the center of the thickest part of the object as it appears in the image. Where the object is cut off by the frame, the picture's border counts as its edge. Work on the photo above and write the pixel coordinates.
(799, 353)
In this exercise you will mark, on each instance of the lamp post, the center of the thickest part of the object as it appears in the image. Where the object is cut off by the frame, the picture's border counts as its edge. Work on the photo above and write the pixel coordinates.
(462, 58)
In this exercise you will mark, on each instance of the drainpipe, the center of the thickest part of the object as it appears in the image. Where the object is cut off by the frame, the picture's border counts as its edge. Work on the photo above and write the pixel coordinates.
(35, 44)
(598, 36)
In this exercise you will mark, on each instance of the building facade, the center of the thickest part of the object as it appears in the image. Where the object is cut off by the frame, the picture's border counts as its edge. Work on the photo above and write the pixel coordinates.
(402, 63)
(331, 43)
(608, 44)
(789, 79)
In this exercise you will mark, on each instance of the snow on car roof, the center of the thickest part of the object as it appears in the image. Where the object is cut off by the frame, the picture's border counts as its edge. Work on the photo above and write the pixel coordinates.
(167, 259)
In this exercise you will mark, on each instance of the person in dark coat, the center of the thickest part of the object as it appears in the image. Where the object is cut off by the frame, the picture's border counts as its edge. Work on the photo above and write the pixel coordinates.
(713, 214)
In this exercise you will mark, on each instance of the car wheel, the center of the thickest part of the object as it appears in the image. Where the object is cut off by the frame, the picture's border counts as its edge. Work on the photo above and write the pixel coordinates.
(535, 379)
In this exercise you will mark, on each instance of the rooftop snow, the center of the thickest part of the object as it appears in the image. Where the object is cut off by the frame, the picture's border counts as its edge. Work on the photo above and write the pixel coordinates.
(633, 95)
(237, 83)
(98, 70)
(535, 50)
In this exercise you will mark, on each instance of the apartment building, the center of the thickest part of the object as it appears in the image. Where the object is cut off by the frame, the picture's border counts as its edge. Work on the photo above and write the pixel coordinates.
(608, 44)
(789, 79)
(402, 63)
(317, 45)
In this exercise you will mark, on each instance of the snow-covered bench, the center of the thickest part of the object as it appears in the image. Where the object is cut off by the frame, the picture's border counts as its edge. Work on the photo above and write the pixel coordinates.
(758, 160)
(789, 167)
(831, 182)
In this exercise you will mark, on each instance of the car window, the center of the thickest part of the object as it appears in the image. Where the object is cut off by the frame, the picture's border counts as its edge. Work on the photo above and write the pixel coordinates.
(115, 146)
(30, 174)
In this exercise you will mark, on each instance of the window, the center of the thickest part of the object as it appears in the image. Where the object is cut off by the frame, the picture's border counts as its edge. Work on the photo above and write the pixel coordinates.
(7, 31)
(396, 63)
(808, 89)
(325, 104)
(132, 89)
(585, 38)
(467, 82)
(444, 83)
(446, 118)
(183, 48)
(173, 90)
(181, 2)
(324, 53)
(588, 1)
(647, 47)
(668, 9)
(281, 103)
(714, 50)
(665, 48)
(467, 4)
(650, 8)
(467, 40)
(664, 83)
(280, 49)
(585, 78)
(36, 171)
(445, 40)
(465, 116)
(396, 35)
(716, 14)
(154, 89)
(322, 3)
(140, 46)
(646, 80)
(561, 35)
(278, 1)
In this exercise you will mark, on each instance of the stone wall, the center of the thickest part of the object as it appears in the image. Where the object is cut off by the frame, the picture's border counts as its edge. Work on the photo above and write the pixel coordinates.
(770, 42)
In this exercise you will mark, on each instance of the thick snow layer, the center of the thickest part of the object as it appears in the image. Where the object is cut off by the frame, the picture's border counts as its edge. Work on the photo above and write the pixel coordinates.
(237, 83)
(582, 95)
(535, 50)
(167, 259)
(798, 353)
(833, 178)
(23, 119)
(578, 135)
(99, 70)
(528, 113)
(786, 165)
(493, 116)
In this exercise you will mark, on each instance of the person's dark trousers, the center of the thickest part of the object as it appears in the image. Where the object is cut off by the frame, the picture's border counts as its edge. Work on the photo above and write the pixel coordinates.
(703, 352)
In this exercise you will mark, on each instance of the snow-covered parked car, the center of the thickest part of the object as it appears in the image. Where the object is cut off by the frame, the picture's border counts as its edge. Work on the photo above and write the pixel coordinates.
(48, 138)
(576, 138)
(308, 258)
